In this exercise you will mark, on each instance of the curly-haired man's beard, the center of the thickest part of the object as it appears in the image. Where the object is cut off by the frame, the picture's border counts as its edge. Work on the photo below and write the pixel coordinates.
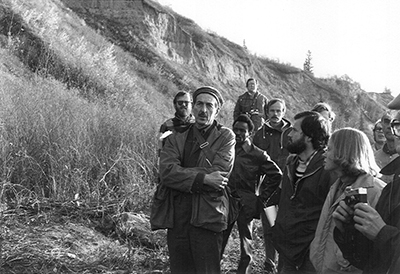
(297, 147)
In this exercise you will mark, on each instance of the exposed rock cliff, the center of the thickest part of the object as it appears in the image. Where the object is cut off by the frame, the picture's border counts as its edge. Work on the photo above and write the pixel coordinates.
(188, 56)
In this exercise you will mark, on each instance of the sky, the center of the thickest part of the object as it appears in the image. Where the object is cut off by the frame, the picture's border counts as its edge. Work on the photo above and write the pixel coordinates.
(358, 38)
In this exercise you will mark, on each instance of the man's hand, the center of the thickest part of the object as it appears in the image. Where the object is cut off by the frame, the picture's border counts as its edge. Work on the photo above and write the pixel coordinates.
(216, 180)
(368, 221)
(342, 214)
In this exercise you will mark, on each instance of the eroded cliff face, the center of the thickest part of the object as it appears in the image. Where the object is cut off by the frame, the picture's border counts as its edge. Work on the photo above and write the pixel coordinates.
(186, 56)
(189, 56)
(174, 38)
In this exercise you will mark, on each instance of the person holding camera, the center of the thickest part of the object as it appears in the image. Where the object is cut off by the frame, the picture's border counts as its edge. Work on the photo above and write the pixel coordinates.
(350, 157)
(370, 237)
(252, 103)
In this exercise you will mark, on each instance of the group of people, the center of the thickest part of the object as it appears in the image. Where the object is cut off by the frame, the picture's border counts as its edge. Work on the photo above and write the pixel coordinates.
(298, 178)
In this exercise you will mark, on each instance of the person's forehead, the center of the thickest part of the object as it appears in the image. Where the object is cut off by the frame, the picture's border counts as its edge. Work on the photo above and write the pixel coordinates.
(185, 97)
(206, 98)
(241, 125)
(297, 123)
(276, 105)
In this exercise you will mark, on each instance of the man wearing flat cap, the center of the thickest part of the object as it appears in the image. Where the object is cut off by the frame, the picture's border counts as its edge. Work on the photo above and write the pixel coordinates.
(194, 166)
(372, 241)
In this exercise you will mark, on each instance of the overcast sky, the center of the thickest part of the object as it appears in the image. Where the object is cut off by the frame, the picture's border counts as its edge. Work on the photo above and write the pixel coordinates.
(353, 37)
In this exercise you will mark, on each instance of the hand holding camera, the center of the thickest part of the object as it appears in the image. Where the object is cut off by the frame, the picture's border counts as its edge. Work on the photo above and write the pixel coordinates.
(344, 213)
(355, 196)
(355, 209)
(367, 220)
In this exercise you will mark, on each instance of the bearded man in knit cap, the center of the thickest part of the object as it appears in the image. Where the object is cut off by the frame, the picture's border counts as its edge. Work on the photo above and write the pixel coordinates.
(194, 166)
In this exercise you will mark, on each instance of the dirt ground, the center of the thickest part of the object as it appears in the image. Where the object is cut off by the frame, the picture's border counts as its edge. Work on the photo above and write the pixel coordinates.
(50, 242)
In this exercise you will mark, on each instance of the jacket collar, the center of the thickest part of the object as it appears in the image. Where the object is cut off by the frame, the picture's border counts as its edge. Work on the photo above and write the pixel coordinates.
(364, 180)
(286, 124)
(247, 146)
(386, 149)
(189, 118)
(255, 95)
(214, 129)
(316, 162)
(392, 168)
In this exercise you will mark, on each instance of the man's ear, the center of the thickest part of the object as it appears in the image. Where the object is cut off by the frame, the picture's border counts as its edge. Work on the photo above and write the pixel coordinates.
(307, 139)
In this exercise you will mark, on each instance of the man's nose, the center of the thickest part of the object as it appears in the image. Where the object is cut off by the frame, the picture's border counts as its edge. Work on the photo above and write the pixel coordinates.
(203, 108)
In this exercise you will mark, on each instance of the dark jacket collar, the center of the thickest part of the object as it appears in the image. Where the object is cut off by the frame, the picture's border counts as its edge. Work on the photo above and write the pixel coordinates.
(189, 118)
(316, 162)
(385, 149)
(392, 168)
(286, 124)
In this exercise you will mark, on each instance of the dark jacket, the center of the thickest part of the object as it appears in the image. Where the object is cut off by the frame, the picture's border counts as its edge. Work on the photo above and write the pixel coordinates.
(209, 208)
(300, 206)
(251, 165)
(383, 254)
(177, 124)
(255, 107)
(270, 139)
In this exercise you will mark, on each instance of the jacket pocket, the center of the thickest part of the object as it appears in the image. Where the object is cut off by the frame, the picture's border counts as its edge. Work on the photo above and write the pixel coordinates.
(210, 210)
(162, 208)
(251, 204)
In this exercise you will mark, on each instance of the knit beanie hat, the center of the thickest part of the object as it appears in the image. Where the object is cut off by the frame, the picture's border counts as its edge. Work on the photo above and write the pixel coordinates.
(209, 90)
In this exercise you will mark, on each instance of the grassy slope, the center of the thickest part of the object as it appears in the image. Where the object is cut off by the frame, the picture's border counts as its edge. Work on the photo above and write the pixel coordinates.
(78, 123)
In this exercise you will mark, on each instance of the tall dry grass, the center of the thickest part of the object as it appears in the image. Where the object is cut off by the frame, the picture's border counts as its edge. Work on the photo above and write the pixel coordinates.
(56, 145)
(61, 145)
(100, 147)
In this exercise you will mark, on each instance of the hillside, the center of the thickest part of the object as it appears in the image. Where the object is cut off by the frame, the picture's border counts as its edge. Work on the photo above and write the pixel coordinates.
(179, 55)
(84, 87)
(190, 57)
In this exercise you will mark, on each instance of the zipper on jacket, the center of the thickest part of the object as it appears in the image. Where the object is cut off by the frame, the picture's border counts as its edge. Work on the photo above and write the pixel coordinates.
(298, 182)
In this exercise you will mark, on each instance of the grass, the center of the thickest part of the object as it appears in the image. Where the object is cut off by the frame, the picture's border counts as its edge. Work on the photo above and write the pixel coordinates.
(78, 123)
(58, 145)
(78, 147)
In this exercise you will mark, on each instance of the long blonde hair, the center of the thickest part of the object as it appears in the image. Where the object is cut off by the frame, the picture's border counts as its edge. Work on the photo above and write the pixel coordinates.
(352, 151)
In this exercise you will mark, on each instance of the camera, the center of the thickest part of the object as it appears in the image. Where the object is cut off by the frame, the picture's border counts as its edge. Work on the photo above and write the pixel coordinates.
(355, 196)
(253, 112)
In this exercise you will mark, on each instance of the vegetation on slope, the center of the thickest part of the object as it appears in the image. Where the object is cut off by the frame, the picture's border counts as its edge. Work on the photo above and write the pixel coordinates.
(78, 123)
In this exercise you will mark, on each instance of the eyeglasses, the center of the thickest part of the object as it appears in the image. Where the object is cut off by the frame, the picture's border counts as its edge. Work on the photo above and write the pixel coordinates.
(181, 103)
(395, 125)
(378, 129)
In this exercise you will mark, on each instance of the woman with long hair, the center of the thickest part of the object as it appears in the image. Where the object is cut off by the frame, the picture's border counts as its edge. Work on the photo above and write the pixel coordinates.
(350, 157)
